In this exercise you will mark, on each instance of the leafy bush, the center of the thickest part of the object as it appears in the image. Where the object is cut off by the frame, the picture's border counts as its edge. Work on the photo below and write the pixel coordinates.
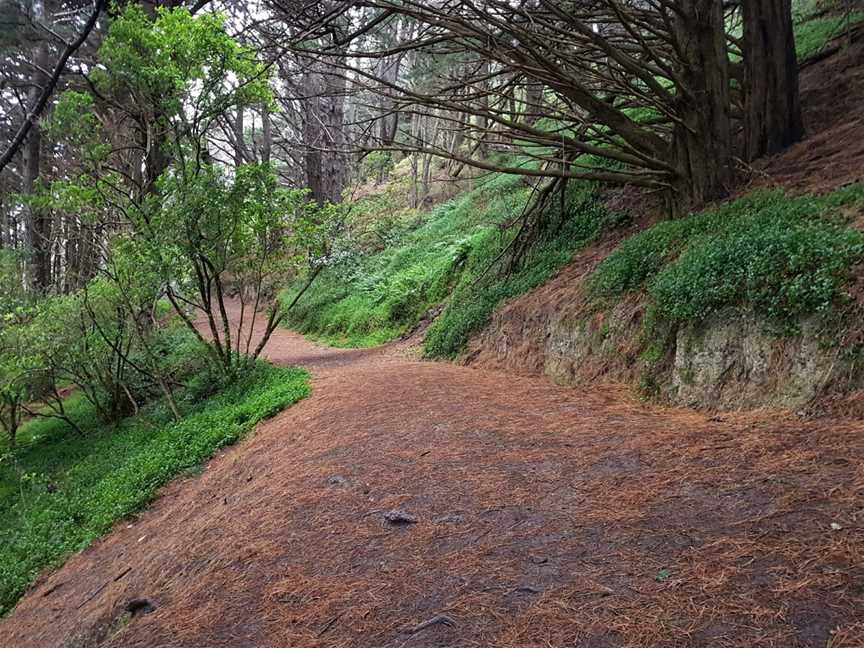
(783, 256)
(59, 492)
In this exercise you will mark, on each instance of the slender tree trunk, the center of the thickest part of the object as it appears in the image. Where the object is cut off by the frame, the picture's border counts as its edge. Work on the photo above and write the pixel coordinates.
(454, 167)
(482, 121)
(37, 223)
(533, 102)
(266, 135)
(5, 237)
(240, 155)
(772, 104)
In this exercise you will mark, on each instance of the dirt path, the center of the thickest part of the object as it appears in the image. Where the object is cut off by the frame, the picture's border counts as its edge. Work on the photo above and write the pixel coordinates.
(545, 517)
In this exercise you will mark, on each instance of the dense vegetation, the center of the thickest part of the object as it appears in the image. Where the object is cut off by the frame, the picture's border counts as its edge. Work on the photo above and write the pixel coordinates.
(456, 255)
(133, 366)
(813, 32)
(177, 184)
(780, 255)
(60, 491)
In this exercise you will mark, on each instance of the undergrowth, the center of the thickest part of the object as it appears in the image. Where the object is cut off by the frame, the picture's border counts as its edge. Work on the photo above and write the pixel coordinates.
(813, 33)
(370, 298)
(781, 256)
(477, 295)
(59, 491)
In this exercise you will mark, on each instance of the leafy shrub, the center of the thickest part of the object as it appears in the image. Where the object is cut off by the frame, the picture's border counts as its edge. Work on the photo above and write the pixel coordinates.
(780, 267)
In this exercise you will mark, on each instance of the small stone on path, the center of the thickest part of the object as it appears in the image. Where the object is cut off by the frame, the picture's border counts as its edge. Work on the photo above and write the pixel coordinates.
(399, 518)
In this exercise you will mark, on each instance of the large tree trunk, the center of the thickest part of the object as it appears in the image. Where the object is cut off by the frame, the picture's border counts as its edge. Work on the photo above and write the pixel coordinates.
(388, 123)
(702, 143)
(152, 138)
(323, 132)
(772, 105)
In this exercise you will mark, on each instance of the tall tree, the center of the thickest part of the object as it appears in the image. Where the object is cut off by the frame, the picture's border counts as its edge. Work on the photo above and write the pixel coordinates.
(772, 105)
(644, 86)
(323, 136)
(37, 223)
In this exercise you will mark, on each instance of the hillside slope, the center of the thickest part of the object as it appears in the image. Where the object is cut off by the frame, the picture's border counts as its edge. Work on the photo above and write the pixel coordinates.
(761, 307)
(695, 311)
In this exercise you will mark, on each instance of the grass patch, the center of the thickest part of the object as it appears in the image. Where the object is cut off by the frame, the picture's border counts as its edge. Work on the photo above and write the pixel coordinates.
(368, 299)
(60, 491)
(781, 256)
(812, 34)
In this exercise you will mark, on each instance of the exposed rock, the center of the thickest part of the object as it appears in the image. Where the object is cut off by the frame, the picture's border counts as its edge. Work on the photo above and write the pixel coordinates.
(450, 519)
(731, 360)
(398, 517)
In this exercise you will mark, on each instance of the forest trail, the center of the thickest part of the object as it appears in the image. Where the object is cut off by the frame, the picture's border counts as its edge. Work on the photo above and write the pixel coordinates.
(544, 516)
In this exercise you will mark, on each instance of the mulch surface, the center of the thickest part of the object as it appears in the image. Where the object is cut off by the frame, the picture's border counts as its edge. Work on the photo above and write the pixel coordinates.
(527, 515)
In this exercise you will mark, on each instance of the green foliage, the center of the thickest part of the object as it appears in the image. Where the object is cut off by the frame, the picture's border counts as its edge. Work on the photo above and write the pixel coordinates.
(178, 59)
(250, 224)
(174, 75)
(15, 384)
(782, 256)
(377, 164)
(59, 492)
(369, 298)
(477, 295)
(812, 34)
(78, 338)
(14, 300)
(363, 300)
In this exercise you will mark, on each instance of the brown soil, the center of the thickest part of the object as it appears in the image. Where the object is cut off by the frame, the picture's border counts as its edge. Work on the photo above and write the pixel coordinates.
(545, 517)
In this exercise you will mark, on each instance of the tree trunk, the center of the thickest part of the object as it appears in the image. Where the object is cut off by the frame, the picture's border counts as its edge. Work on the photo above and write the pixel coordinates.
(266, 135)
(37, 223)
(323, 133)
(156, 160)
(388, 124)
(533, 102)
(772, 104)
(702, 143)
(240, 155)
